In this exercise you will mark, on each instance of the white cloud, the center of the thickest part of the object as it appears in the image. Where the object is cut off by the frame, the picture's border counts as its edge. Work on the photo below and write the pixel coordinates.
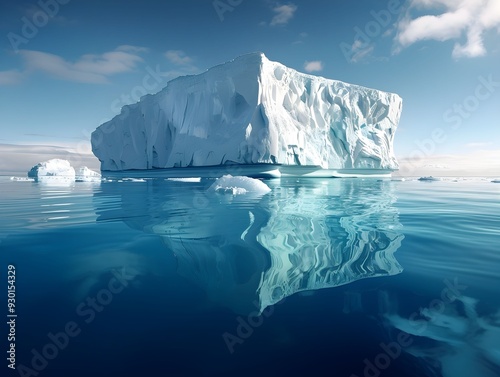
(10, 77)
(313, 66)
(178, 57)
(283, 14)
(463, 21)
(90, 68)
(302, 37)
(184, 62)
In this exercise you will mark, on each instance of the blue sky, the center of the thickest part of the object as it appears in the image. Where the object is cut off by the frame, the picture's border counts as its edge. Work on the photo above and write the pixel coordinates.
(67, 66)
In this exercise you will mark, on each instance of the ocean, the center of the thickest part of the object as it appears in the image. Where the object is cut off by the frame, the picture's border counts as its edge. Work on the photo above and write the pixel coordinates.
(319, 277)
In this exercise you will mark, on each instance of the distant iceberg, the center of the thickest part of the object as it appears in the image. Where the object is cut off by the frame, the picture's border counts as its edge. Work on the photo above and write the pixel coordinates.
(86, 175)
(57, 171)
(254, 112)
(53, 171)
(429, 179)
(496, 180)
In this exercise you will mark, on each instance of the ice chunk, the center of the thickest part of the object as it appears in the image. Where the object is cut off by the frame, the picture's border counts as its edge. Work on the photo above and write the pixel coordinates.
(187, 179)
(496, 180)
(253, 111)
(228, 184)
(53, 171)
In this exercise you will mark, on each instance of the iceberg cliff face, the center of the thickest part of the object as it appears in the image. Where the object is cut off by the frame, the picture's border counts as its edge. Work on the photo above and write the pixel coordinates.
(249, 111)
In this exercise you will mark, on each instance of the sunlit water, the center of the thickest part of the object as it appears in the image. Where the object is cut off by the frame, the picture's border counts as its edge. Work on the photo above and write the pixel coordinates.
(340, 277)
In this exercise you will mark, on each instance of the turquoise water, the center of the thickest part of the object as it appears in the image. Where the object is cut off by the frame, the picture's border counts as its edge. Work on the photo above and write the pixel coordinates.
(340, 277)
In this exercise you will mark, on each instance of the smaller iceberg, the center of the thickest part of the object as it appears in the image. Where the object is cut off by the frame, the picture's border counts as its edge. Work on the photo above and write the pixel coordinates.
(228, 184)
(86, 175)
(497, 180)
(429, 179)
(53, 171)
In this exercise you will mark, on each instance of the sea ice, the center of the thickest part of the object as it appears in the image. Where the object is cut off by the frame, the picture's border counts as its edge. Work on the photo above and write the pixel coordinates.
(228, 184)
(429, 179)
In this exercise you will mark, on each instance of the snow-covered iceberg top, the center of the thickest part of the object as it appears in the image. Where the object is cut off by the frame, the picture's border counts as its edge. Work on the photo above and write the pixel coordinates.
(55, 170)
(250, 111)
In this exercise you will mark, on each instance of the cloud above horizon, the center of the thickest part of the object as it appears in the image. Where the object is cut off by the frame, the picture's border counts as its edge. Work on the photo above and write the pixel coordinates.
(10, 77)
(89, 68)
(313, 66)
(478, 162)
(283, 14)
(178, 57)
(463, 21)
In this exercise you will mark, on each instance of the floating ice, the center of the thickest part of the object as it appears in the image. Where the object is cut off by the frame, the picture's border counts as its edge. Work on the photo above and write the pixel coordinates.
(253, 111)
(22, 179)
(132, 180)
(429, 179)
(86, 175)
(228, 184)
(496, 180)
(188, 179)
(53, 171)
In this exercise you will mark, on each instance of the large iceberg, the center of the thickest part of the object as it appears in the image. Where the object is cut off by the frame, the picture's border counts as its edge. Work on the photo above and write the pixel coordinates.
(253, 111)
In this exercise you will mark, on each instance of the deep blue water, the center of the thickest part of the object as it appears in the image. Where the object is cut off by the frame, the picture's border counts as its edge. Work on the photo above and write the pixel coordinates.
(351, 277)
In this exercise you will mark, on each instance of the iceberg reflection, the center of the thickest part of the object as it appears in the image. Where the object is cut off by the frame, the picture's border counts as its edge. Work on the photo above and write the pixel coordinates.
(251, 251)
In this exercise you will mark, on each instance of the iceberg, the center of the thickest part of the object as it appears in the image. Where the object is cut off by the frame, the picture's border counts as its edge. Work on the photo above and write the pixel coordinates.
(253, 112)
(53, 171)
(86, 175)
(429, 179)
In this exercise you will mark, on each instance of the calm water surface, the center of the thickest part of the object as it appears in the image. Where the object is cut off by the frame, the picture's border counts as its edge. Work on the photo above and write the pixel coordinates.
(341, 277)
